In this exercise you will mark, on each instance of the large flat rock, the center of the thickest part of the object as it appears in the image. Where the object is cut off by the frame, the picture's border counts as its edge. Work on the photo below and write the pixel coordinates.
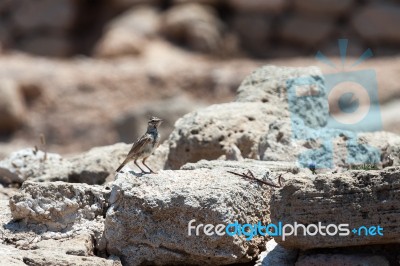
(356, 198)
(149, 215)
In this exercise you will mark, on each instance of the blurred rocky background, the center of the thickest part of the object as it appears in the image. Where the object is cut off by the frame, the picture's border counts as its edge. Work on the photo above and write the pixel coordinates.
(88, 73)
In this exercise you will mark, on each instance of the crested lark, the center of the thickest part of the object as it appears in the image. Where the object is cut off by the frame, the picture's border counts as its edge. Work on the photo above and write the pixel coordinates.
(145, 145)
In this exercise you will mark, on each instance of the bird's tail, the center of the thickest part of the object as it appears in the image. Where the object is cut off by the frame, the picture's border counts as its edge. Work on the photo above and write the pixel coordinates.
(121, 166)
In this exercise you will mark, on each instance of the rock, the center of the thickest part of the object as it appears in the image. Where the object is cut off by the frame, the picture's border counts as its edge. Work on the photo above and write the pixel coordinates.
(80, 245)
(58, 205)
(149, 215)
(262, 99)
(210, 132)
(275, 254)
(195, 26)
(31, 164)
(269, 84)
(279, 144)
(388, 145)
(128, 33)
(92, 167)
(341, 259)
(377, 23)
(7, 192)
(48, 45)
(305, 31)
(355, 198)
(98, 164)
(47, 215)
(131, 125)
(28, 16)
(49, 256)
(258, 6)
(324, 8)
(254, 32)
(12, 106)
(142, 20)
(118, 43)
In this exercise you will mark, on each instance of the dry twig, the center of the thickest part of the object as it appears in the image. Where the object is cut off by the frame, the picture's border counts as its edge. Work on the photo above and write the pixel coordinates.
(250, 175)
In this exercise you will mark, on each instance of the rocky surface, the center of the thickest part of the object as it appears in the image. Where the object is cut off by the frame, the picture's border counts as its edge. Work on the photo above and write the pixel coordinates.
(356, 198)
(210, 132)
(275, 254)
(129, 33)
(58, 205)
(244, 164)
(34, 243)
(194, 26)
(149, 215)
(92, 167)
(31, 163)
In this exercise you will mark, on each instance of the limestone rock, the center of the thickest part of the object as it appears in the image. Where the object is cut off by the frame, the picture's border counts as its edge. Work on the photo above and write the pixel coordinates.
(262, 99)
(119, 42)
(377, 23)
(270, 85)
(194, 26)
(246, 164)
(12, 107)
(58, 205)
(31, 164)
(92, 167)
(98, 164)
(275, 254)
(149, 215)
(49, 256)
(204, 134)
(142, 20)
(356, 198)
(279, 144)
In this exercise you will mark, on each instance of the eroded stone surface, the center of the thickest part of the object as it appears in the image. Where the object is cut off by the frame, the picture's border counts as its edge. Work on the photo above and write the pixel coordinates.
(149, 215)
(357, 198)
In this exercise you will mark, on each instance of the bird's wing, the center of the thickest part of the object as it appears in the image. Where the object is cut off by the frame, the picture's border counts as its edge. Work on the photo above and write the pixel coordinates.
(140, 143)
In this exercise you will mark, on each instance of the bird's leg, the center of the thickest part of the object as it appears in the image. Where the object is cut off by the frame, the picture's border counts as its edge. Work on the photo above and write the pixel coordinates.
(138, 166)
(144, 163)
